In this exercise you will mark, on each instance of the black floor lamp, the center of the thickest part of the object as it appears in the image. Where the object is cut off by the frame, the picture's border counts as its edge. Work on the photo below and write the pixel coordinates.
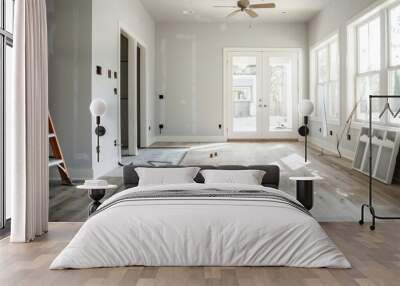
(306, 108)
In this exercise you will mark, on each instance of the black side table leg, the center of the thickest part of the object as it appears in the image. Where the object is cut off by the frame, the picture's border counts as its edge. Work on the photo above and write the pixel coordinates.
(96, 196)
(305, 193)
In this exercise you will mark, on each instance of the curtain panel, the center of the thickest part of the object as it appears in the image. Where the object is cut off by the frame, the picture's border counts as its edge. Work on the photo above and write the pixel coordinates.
(27, 127)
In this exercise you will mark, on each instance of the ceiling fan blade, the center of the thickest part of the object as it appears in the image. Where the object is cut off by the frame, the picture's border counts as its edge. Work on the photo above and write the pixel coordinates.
(233, 13)
(225, 6)
(251, 13)
(263, 6)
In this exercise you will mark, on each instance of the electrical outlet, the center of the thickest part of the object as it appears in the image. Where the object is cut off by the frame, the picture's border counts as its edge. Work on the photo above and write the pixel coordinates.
(109, 74)
(99, 70)
(115, 91)
(349, 137)
(115, 75)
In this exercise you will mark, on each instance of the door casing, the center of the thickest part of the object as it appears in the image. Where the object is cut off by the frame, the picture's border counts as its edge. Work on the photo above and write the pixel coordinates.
(261, 54)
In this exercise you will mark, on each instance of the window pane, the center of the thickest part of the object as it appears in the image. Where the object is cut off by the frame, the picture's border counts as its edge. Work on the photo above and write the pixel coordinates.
(375, 45)
(394, 82)
(280, 111)
(9, 11)
(244, 94)
(323, 65)
(395, 36)
(333, 101)
(369, 46)
(322, 98)
(334, 60)
(8, 88)
(366, 86)
(363, 48)
(2, 219)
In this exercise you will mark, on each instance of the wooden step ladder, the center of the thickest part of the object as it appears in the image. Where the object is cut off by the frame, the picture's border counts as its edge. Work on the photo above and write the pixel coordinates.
(57, 157)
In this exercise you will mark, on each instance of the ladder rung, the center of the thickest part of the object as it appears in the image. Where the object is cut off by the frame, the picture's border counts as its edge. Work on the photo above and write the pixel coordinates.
(52, 135)
(54, 162)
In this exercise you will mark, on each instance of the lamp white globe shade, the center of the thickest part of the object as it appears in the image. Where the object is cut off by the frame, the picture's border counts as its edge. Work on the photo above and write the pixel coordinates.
(98, 107)
(306, 107)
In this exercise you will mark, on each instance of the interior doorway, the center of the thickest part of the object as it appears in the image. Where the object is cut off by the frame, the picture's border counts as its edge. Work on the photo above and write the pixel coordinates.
(139, 94)
(124, 98)
(261, 94)
(132, 114)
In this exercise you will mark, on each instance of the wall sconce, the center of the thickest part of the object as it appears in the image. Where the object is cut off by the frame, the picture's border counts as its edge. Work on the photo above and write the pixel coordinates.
(98, 108)
(306, 108)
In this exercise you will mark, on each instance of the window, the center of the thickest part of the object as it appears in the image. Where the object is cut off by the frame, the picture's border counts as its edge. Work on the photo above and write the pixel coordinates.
(394, 62)
(374, 41)
(325, 75)
(368, 67)
(6, 43)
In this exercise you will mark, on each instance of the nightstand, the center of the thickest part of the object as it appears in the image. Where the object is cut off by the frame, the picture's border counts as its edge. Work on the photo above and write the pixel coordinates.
(96, 191)
(305, 190)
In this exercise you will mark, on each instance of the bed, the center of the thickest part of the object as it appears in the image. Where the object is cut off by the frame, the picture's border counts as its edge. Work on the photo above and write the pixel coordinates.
(199, 224)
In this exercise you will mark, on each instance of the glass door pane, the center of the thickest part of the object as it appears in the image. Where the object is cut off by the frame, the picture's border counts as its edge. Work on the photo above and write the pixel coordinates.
(9, 11)
(244, 94)
(2, 101)
(280, 80)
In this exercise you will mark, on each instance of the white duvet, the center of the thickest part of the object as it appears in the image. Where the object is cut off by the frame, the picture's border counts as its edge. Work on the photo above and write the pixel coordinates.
(200, 232)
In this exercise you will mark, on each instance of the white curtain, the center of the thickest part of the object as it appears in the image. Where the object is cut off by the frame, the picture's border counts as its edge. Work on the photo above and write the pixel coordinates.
(27, 124)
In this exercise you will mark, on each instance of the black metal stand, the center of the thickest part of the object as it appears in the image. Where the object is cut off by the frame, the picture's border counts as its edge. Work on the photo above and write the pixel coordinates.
(96, 196)
(370, 205)
(306, 138)
(305, 193)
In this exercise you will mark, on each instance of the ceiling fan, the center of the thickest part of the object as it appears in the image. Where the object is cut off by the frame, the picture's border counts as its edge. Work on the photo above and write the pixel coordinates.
(245, 6)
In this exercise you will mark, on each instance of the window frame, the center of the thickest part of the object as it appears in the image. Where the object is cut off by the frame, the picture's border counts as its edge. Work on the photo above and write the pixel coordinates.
(6, 39)
(382, 10)
(315, 83)
(358, 74)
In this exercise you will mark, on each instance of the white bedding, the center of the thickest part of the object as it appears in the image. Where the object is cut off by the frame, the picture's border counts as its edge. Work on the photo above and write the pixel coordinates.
(200, 232)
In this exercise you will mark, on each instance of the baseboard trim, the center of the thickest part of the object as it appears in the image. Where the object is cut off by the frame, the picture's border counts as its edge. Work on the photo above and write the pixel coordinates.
(191, 139)
(320, 144)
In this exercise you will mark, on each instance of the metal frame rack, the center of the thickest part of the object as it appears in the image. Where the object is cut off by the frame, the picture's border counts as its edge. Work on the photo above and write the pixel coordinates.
(370, 205)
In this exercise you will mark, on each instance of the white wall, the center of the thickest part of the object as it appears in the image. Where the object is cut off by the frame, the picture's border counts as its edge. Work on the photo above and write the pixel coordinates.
(190, 71)
(332, 19)
(107, 17)
(69, 30)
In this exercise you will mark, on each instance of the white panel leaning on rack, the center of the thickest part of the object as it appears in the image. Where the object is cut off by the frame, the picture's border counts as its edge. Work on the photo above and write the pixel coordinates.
(385, 148)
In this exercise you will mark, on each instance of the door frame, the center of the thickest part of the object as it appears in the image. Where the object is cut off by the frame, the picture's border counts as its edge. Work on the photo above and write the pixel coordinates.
(227, 96)
(134, 42)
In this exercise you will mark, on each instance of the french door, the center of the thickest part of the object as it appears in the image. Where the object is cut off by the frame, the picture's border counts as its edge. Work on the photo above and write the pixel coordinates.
(261, 94)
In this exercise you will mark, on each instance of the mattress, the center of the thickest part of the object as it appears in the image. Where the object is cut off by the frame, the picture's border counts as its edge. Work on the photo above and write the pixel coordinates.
(201, 225)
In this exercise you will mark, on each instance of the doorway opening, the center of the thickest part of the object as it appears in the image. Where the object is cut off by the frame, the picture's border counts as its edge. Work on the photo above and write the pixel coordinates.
(124, 98)
(261, 94)
(138, 94)
(132, 116)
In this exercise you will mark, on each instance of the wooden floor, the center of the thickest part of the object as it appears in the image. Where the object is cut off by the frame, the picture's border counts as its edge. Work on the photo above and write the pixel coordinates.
(337, 198)
(375, 257)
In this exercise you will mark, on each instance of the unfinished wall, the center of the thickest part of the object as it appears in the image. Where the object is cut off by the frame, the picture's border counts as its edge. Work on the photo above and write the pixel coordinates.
(190, 71)
(70, 30)
(335, 18)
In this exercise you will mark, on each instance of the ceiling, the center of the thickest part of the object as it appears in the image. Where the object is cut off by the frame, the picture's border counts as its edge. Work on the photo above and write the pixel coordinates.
(203, 10)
